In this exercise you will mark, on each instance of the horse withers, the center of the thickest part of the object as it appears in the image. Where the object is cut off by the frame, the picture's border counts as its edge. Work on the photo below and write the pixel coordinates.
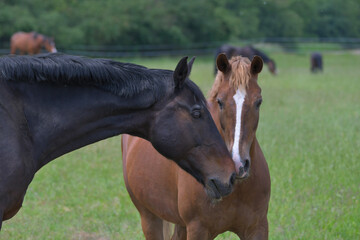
(163, 191)
(31, 43)
(52, 104)
(247, 51)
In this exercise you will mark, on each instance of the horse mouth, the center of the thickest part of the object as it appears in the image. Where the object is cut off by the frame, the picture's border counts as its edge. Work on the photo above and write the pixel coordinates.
(213, 192)
(216, 190)
(243, 176)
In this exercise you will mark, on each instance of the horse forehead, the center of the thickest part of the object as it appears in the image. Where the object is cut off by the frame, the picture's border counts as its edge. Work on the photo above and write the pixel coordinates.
(253, 87)
(189, 98)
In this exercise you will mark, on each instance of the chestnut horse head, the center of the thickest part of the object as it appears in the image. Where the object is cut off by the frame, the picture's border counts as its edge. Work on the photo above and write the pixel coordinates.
(49, 44)
(235, 100)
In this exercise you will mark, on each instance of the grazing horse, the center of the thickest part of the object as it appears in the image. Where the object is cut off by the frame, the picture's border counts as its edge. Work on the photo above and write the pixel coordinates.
(249, 52)
(316, 62)
(52, 104)
(31, 43)
(163, 191)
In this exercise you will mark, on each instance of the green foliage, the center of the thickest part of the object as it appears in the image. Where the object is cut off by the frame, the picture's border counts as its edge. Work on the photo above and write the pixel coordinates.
(139, 22)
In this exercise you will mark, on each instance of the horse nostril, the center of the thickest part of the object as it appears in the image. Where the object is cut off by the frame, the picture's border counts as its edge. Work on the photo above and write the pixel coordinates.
(247, 165)
(244, 169)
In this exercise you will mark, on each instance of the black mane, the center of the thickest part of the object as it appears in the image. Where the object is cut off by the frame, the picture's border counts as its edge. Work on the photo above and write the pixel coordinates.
(123, 79)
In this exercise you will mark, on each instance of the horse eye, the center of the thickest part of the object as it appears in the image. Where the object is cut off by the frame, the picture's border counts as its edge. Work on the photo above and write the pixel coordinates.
(196, 114)
(258, 103)
(220, 103)
(196, 111)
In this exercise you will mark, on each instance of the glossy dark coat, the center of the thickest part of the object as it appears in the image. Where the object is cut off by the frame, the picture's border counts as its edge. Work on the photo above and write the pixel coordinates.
(53, 104)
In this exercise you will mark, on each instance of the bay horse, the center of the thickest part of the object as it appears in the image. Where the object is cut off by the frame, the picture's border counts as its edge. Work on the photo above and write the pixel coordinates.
(247, 51)
(31, 43)
(316, 62)
(51, 104)
(163, 191)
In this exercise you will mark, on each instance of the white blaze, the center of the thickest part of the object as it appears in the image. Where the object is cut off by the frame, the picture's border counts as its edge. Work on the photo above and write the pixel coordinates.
(239, 98)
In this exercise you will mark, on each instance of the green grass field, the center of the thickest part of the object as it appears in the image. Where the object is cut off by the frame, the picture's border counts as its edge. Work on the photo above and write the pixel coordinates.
(309, 131)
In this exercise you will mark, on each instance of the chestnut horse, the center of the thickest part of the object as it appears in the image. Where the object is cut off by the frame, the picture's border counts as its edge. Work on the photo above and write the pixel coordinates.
(52, 104)
(161, 190)
(31, 43)
(247, 51)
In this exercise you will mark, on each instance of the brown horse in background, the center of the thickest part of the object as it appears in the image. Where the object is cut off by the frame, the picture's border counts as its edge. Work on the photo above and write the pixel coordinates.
(31, 43)
(247, 51)
(161, 190)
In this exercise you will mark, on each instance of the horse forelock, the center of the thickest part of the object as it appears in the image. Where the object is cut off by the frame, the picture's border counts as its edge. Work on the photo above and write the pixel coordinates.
(239, 77)
(123, 79)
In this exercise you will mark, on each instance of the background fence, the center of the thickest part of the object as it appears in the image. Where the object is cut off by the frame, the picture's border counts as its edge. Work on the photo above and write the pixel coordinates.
(270, 45)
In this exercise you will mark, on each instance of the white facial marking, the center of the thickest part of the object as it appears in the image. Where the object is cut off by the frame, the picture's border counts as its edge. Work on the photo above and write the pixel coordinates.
(239, 98)
(53, 50)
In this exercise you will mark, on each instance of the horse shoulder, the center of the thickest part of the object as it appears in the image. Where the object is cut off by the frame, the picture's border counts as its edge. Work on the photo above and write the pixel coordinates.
(151, 178)
(192, 199)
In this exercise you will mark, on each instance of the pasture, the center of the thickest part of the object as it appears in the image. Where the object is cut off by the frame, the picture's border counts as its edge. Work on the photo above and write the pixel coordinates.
(309, 131)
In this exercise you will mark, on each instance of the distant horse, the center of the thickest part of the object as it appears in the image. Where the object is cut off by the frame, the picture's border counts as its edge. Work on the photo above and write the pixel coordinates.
(52, 104)
(31, 43)
(165, 191)
(316, 62)
(249, 52)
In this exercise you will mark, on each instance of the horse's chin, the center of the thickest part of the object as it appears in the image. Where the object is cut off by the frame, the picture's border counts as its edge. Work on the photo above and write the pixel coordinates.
(214, 195)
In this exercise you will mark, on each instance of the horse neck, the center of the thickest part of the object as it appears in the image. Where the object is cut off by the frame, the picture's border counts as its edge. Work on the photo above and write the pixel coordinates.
(62, 119)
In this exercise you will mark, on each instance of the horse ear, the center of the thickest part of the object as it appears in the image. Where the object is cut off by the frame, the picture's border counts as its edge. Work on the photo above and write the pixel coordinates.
(256, 65)
(180, 73)
(223, 63)
(190, 63)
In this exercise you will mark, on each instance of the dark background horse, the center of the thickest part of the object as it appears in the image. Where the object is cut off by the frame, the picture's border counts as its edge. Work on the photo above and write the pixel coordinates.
(31, 43)
(52, 104)
(316, 62)
(247, 51)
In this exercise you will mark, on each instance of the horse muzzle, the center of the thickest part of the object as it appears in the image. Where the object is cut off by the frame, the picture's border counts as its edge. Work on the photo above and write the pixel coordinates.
(216, 189)
(243, 169)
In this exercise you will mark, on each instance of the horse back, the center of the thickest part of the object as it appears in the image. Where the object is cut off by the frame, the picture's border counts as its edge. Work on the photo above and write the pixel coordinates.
(26, 42)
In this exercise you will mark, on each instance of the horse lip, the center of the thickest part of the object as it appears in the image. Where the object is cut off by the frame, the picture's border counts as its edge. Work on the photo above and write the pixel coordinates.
(212, 190)
(244, 176)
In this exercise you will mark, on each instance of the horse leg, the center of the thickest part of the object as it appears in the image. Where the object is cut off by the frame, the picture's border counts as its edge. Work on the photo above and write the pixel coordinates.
(195, 231)
(179, 233)
(152, 225)
(168, 229)
(259, 232)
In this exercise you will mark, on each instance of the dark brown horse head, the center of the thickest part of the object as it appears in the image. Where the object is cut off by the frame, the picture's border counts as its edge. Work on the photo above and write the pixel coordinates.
(236, 99)
(185, 132)
(49, 44)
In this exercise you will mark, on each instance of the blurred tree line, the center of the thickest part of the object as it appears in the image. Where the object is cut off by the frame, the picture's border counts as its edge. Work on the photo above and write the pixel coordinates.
(139, 22)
